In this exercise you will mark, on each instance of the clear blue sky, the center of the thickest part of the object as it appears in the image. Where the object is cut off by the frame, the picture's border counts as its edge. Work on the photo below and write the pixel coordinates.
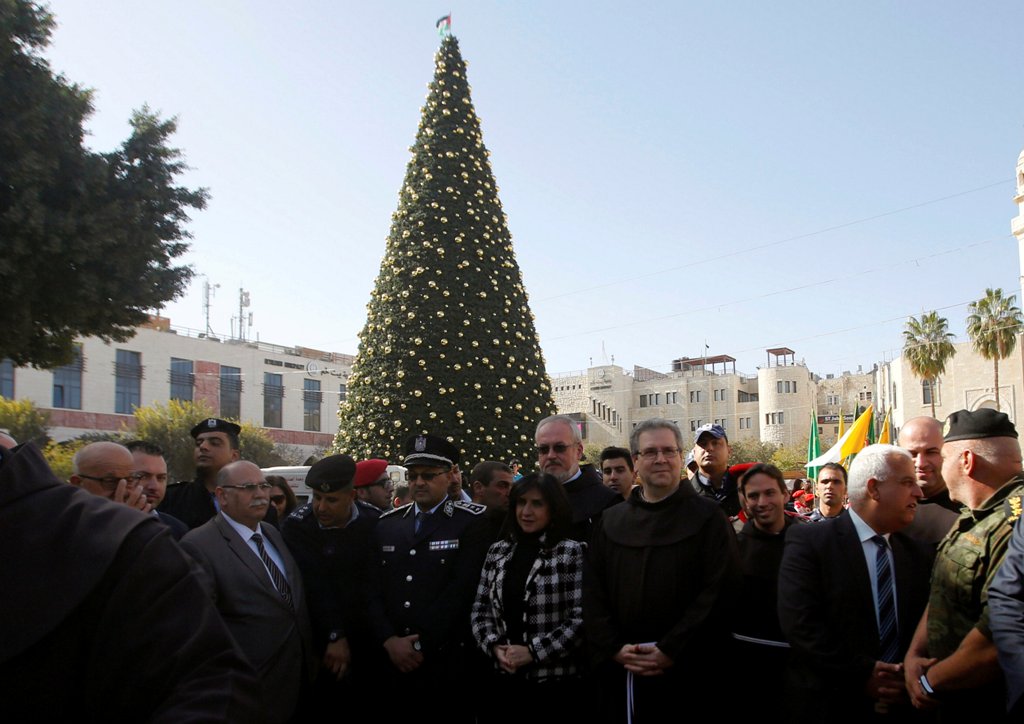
(672, 172)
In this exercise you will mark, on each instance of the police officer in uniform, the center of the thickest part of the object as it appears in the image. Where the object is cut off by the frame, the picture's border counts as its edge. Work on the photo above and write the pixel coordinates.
(428, 556)
(192, 501)
(330, 539)
(951, 664)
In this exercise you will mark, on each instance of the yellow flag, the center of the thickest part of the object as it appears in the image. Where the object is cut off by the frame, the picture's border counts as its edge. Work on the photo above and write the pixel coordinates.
(858, 436)
(883, 438)
(842, 425)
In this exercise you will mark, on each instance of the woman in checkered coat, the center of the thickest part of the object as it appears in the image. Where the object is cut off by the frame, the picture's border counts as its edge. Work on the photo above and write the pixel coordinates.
(528, 613)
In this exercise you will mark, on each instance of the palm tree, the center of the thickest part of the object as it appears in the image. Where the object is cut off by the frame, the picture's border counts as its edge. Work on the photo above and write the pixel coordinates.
(928, 347)
(993, 326)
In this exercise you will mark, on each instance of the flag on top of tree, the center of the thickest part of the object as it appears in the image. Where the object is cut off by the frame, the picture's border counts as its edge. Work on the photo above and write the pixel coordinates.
(449, 346)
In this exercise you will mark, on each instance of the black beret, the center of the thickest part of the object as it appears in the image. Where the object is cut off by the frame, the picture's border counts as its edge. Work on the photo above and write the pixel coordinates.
(215, 424)
(331, 474)
(977, 425)
(430, 450)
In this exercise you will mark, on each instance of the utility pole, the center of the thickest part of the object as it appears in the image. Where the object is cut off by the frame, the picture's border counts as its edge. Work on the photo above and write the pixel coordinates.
(208, 291)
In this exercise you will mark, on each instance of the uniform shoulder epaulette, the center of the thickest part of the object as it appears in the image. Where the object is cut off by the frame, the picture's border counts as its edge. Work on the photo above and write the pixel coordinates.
(1013, 506)
(474, 508)
(395, 510)
(302, 513)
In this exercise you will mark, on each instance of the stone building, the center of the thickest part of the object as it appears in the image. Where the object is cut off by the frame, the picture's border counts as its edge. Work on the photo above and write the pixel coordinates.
(292, 392)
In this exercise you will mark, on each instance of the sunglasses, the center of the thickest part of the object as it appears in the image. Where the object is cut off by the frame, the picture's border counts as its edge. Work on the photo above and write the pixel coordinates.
(558, 447)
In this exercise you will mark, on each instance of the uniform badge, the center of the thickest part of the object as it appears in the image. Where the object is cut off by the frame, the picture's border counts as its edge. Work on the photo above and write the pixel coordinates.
(387, 549)
(945, 427)
(449, 507)
(325, 487)
(1015, 505)
(212, 422)
(421, 443)
(444, 545)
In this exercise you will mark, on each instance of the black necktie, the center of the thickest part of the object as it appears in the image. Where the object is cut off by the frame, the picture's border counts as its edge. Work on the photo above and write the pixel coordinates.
(888, 629)
(421, 518)
(280, 582)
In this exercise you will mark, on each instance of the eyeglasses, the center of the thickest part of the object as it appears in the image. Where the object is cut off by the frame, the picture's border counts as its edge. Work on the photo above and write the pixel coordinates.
(652, 453)
(277, 499)
(558, 447)
(250, 487)
(110, 482)
(426, 477)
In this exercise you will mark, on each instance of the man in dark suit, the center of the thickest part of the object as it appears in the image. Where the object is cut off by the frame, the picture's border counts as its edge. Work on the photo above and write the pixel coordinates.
(851, 590)
(257, 587)
(559, 451)
(151, 476)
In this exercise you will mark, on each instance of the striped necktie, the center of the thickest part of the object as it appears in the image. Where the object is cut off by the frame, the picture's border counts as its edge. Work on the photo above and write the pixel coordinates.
(280, 582)
(888, 628)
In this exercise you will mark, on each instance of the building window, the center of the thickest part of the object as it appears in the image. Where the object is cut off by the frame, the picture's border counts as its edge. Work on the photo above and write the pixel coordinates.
(643, 400)
(182, 379)
(831, 399)
(7, 378)
(694, 395)
(926, 392)
(693, 426)
(127, 382)
(894, 394)
(657, 398)
(231, 392)
(67, 382)
(311, 399)
(342, 392)
(835, 430)
(778, 387)
(819, 429)
(782, 418)
(273, 399)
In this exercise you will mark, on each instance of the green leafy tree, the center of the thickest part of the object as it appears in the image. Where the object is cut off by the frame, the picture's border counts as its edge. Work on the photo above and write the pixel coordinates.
(24, 421)
(993, 325)
(790, 457)
(169, 425)
(751, 451)
(89, 239)
(449, 344)
(928, 346)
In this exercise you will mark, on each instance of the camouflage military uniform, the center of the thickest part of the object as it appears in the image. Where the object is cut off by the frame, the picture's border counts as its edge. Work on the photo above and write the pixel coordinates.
(965, 564)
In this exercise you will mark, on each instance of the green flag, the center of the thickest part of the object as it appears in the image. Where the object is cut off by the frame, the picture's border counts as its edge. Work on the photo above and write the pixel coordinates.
(813, 446)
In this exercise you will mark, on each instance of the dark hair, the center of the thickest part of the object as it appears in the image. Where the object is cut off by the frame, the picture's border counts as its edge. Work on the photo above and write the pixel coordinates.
(281, 484)
(558, 508)
(764, 469)
(145, 447)
(836, 466)
(612, 453)
(484, 472)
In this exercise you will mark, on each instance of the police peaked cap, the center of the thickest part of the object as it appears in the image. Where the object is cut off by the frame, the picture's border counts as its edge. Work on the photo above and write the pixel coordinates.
(215, 424)
(430, 450)
(331, 474)
(977, 425)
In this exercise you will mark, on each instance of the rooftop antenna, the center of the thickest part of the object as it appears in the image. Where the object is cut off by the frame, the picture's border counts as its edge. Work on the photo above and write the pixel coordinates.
(208, 291)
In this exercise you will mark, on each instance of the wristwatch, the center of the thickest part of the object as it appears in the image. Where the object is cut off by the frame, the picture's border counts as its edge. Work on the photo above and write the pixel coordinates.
(927, 686)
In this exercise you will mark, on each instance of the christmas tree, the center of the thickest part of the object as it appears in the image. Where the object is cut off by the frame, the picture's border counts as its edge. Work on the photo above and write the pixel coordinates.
(449, 345)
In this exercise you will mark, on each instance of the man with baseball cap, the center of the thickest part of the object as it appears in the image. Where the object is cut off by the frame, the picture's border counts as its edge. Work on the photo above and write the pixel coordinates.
(951, 664)
(193, 502)
(427, 560)
(373, 485)
(713, 478)
(330, 539)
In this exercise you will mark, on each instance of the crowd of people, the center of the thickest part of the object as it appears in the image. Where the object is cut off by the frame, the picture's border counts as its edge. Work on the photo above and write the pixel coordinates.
(627, 591)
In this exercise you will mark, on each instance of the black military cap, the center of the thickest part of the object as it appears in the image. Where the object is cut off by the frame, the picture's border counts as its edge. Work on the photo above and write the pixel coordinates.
(977, 425)
(215, 424)
(430, 450)
(331, 474)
